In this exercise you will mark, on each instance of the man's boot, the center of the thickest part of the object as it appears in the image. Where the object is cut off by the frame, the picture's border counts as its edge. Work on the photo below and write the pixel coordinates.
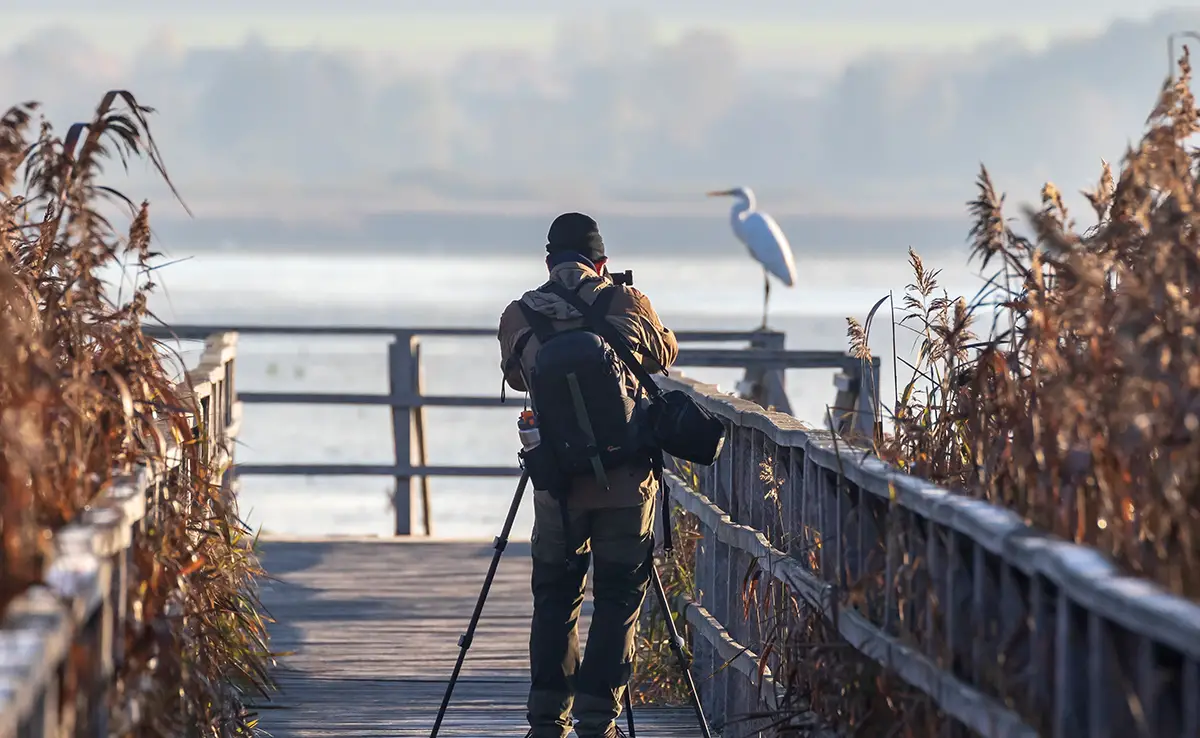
(596, 716)
(614, 731)
(549, 715)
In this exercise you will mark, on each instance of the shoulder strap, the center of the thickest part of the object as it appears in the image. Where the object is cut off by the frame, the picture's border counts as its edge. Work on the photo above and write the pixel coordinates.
(603, 302)
(540, 324)
(596, 319)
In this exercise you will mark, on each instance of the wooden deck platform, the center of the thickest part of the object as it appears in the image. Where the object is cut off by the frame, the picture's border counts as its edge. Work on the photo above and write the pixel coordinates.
(373, 628)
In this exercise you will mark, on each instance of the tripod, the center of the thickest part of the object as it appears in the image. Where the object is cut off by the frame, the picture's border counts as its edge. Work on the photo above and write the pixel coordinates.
(464, 641)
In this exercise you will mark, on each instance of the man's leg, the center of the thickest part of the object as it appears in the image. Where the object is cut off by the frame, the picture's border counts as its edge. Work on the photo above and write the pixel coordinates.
(621, 543)
(553, 634)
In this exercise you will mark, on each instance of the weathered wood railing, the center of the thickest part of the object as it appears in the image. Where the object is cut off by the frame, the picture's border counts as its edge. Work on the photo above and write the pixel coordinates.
(765, 361)
(1009, 631)
(61, 642)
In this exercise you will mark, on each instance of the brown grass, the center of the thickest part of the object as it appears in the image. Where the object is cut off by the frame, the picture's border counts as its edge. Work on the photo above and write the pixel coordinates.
(1080, 408)
(657, 677)
(84, 395)
(1068, 390)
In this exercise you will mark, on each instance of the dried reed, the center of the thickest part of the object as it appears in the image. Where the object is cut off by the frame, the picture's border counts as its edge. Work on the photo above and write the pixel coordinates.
(1080, 409)
(657, 678)
(85, 394)
(1067, 389)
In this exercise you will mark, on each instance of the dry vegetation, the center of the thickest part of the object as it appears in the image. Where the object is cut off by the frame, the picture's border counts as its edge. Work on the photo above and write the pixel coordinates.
(657, 678)
(84, 395)
(1080, 407)
(1068, 390)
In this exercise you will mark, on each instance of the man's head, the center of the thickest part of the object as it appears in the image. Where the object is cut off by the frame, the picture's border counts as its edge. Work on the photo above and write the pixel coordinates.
(575, 233)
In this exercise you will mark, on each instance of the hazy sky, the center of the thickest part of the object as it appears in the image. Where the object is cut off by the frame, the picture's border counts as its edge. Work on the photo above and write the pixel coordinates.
(869, 102)
(818, 34)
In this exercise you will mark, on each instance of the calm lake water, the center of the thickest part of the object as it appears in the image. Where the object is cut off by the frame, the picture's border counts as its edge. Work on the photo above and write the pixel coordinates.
(433, 291)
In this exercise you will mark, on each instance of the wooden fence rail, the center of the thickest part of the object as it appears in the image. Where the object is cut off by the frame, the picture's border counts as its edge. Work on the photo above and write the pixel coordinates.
(61, 642)
(1010, 631)
(764, 361)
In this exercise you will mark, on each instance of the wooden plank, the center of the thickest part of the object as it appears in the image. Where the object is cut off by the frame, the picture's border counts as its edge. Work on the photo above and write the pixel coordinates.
(371, 708)
(962, 700)
(197, 332)
(372, 627)
(403, 358)
(420, 445)
(762, 359)
(351, 398)
(375, 470)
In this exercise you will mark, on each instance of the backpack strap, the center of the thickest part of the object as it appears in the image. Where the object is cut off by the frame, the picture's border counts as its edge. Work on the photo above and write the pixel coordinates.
(656, 466)
(595, 314)
(540, 324)
(603, 302)
(599, 323)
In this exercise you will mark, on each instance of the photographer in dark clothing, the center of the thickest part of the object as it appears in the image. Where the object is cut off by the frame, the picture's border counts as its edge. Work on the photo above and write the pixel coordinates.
(607, 524)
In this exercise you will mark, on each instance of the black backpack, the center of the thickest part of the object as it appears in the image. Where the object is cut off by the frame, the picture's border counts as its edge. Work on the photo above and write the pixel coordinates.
(585, 415)
(589, 422)
(675, 422)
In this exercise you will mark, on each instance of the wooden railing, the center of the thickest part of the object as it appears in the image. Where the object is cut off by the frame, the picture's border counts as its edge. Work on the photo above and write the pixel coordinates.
(62, 642)
(1009, 631)
(765, 362)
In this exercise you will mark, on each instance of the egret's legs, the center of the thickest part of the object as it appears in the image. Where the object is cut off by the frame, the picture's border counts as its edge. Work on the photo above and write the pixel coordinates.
(766, 296)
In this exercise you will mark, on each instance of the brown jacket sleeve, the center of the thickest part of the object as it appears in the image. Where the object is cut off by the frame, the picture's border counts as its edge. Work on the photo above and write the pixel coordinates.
(512, 326)
(633, 314)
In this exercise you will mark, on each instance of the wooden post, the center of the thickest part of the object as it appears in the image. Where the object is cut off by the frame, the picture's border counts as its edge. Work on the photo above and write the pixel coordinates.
(402, 372)
(857, 394)
(848, 383)
(230, 392)
(866, 421)
(767, 387)
(422, 452)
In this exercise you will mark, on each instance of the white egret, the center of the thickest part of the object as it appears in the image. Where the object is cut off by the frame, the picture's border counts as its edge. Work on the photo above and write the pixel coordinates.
(763, 237)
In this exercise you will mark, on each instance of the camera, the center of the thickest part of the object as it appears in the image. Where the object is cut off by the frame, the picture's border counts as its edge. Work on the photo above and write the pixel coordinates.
(625, 277)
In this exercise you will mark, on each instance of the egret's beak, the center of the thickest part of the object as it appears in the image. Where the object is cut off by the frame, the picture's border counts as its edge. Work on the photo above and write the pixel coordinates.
(719, 193)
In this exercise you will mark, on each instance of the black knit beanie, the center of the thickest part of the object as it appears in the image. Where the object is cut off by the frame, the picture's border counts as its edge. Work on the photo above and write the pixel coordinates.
(576, 233)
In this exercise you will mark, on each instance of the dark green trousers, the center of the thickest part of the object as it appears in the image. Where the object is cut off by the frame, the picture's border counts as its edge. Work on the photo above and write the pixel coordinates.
(617, 542)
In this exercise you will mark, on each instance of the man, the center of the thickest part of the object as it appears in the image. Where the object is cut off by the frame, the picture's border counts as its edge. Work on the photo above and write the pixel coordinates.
(613, 526)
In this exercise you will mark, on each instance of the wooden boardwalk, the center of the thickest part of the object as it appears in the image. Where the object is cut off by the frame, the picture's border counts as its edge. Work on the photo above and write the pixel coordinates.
(373, 624)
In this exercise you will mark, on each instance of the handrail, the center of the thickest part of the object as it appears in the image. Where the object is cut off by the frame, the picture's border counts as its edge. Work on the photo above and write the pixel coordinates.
(1011, 631)
(76, 620)
(194, 332)
(765, 361)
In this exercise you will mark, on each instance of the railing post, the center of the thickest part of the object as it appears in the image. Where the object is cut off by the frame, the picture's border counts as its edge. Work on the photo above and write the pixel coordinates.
(230, 392)
(767, 386)
(857, 394)
(868, 396)
(421, 446)
(848, 383)
(403, 358)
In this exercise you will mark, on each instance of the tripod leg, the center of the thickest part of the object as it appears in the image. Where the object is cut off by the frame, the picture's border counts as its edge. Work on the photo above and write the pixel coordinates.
(629, 712)
(677, 647)
(464, 641)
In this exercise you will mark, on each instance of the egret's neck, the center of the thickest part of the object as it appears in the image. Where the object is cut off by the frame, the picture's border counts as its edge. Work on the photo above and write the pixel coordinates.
(743, 205)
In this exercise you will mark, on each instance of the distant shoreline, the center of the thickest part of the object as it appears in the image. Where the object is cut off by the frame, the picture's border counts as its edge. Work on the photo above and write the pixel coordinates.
(472, 232)
(399, 201)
